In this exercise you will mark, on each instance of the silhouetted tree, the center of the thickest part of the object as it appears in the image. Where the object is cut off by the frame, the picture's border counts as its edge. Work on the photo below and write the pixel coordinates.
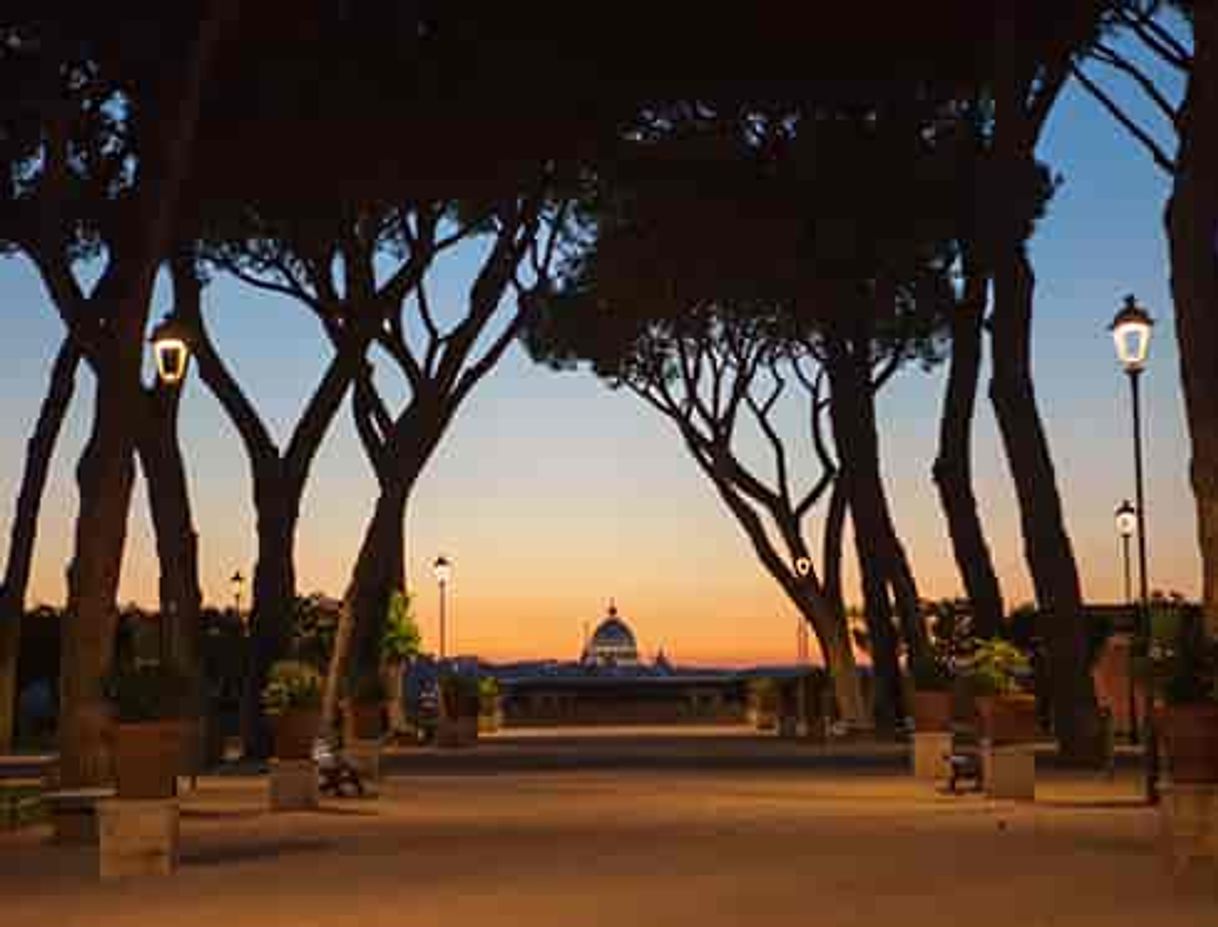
(79, 89)
(1029, 49)
(23, 530)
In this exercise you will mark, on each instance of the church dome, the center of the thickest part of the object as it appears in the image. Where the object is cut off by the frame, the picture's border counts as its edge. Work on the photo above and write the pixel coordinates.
(612, 642)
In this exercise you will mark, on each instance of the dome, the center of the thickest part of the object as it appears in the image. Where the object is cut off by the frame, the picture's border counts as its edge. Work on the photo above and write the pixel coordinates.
(612, 643)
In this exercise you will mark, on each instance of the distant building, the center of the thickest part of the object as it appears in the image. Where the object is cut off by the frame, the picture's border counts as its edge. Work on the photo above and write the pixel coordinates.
(610, 684)
(612, 643)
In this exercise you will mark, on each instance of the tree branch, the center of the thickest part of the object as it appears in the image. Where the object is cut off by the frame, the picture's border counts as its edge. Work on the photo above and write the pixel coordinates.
(1108, 56)
(1167, 164)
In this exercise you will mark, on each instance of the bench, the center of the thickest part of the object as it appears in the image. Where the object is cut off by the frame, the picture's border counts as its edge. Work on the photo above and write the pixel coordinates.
(964, 764)
(335, 770)
(23, 779)
(964, 760)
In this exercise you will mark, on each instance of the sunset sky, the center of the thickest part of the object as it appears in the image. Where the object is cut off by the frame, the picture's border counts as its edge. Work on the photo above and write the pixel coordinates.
(551, 493)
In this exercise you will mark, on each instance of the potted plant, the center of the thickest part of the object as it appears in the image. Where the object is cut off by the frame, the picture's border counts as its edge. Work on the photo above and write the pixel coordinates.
(459, 702)
(292, 697)
(1005, 713)
(1184, 662)
(489, 713)
(364, 708)
(932, 701)
(151, 704)
(763, 703)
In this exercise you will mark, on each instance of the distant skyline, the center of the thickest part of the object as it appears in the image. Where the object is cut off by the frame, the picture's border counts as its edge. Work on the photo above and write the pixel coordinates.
(552, 494)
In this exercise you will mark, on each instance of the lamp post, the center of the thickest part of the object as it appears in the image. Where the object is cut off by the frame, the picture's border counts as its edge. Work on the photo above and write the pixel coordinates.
(170, 350)
(1126, 525)
(443, 570)
(1131, 334)
(238, 584)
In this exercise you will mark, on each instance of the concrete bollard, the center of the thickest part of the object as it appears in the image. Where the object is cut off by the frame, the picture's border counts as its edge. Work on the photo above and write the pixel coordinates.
(1188, 823)
(137, 837)
(930, 755)
(1009, 771)
(294, 785)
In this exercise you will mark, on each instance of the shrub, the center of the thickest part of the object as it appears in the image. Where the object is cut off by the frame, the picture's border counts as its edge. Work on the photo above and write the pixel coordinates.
(143, 692)
(997, 667)
(291, 684)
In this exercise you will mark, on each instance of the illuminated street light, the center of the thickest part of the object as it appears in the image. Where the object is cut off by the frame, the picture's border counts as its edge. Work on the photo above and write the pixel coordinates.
(171, 350)
(1131, 334)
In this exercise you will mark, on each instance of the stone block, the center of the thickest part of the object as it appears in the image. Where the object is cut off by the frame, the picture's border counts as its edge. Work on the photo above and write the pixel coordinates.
(1188, 824)
(930, 753)
(294, 785)
(137, 837)
(1009, 771)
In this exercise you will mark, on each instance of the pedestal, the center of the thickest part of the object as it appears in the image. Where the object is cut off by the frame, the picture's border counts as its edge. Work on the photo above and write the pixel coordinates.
(293, 785)
(137, 836)
(1009, 771)
(1188, 824)
(365, 756)
(930, 753)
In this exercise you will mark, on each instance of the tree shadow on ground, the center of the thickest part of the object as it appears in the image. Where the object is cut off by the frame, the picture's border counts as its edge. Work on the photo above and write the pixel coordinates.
(248, 852)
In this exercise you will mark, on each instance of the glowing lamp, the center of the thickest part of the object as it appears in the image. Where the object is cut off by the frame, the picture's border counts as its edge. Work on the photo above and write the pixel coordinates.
(443, 570)
(1131, 334)
(1126, 519)
(170, 350)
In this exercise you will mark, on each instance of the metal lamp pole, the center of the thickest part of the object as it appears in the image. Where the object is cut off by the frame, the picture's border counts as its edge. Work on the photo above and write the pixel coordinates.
(1131, 333)
(1126, 524)
(443, 570)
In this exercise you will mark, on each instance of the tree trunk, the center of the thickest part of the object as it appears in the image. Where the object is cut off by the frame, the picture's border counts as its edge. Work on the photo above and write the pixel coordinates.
(1192, 230)
(177, 543)
(1047, 547)
(953, 466)
(104, 476)
(887, 704)
(838, 651)
(24, 528)
(377, 573)
(272, 604)
(852, 412)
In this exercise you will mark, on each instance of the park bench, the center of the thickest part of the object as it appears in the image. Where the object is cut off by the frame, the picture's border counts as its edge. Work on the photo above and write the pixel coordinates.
(964, 761)
(23, 780)
(334, 769)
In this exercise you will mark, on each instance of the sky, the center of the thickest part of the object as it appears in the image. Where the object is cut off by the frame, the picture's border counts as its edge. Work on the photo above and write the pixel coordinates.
(552, 493)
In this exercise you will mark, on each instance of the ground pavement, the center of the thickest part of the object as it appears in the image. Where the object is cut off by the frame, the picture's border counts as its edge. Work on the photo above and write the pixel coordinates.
(660, 830)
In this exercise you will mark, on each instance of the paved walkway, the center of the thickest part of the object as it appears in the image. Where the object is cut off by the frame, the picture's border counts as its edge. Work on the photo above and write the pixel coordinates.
(485, 839)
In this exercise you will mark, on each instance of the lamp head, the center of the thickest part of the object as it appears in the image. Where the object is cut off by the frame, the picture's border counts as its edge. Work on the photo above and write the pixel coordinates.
(170, 350)
(1131, 333)
(443, 569)
(1126, 519)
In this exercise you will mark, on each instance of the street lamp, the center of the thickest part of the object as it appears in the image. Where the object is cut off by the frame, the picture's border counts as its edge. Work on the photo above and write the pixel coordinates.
(1131, 334)
(170, 350)
(1126, 525)
(443, 570)
(238, 584)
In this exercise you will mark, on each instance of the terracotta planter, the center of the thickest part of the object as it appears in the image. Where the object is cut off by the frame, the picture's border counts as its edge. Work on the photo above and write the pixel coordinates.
(295, 731)
(1007, 719)
(932, 711)
(363, 721)
(1190, 740)
(147, 757)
